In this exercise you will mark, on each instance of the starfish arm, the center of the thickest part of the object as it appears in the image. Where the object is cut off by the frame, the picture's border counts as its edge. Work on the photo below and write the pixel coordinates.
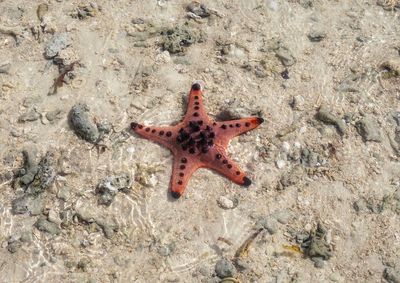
(227, 130)
(162, 135)
(220, 162)
(183, 168)
(195, 108)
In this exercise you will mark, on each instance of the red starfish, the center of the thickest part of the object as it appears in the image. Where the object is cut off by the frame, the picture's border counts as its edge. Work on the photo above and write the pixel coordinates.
(198, 141)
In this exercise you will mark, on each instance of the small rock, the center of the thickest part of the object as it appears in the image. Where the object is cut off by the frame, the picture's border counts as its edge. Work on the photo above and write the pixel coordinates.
(336, 277)
(167, 250)
(316, 35)
(306, 3)
(29, 116)
(268, 223)
(57, 43)
(54, 217)
(13, 246)
(82, 124)
(318, 262)
(26, 204)
(109, 187)
(369, 129)
(325, 116)
(283, 216)
(176, 39)
(280, 163)
(224, 268)
(227, 203)
(392, 67)
(285, 147)
(44, 177)
(316, 245)
(83, 264)
(84, 11)
(297, 102)
(285, 56)
(42, 224)
(26, 237)
(391, 275)
(4, 68)
(64, 193)
(41, 10)
(54, 115)
(198, 9)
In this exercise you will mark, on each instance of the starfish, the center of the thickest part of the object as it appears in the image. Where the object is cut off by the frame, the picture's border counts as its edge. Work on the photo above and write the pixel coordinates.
(199, 142)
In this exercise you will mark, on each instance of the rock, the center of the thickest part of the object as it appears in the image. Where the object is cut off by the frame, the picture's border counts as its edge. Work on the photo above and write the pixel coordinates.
(4, 68)
(369, 129)
(391, 275)
(198, 9)
(42, 224)
(311, 159)
(283, 216)
(13, 246)
(291, 177)
(82, 124)
(306, 3)
(44, 176)
(285, 147)
(54, 217)
(325, 116)
(29, 116)
(175, 40)
(54, 115)
(84, 11)
(41, 10)
(30, 168)
(316, 246)
(26, 204)
(167, 250)
(227, 203)
(26, 237)
(336, 277)
(64, 193)
(224, 268)
(318, 262)
(285, 56)
(109, 187)
(268, 223)
(88, 215)
(316, 35)
(57, 43)
(360, 205)
(297, 103)
(392, 67)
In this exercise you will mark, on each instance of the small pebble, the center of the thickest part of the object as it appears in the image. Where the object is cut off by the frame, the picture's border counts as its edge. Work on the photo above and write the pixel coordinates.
(44, 225)
(318, 262)
(57, 43)
(368, 128)
(4, 68)
(269, 223)
(280, 163)
(285, 147)
(224, 268)
(283, 216)
(316, 35)
(225, 203)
